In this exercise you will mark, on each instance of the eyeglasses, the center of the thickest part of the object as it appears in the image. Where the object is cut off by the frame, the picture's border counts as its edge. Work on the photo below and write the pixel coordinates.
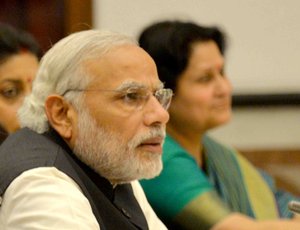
(136, 97)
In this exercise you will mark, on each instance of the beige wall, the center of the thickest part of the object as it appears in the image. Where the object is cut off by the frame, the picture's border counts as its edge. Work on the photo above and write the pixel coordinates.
(262, 128)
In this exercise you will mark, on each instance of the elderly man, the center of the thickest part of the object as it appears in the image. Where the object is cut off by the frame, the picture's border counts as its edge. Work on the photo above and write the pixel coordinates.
(94, 124)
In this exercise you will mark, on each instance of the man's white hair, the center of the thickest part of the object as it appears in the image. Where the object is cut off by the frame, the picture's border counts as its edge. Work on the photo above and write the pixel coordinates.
(61, 69)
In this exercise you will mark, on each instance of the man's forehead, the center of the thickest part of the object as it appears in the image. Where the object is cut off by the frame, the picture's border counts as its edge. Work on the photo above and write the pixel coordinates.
(136, 70)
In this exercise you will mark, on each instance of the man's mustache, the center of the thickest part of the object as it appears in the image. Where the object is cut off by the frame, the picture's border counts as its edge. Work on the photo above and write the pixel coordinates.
(153, 133)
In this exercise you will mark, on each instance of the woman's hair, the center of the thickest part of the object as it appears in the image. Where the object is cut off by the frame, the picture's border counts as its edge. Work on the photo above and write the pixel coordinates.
(61, 69)
(169, 43)
(14, 41)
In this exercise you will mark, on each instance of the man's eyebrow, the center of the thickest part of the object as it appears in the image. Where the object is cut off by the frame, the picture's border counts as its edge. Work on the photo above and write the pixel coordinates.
(130, 84)
(137, 85)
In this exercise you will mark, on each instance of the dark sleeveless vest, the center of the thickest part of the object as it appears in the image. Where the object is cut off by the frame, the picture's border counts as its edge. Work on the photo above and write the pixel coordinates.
(114, 208)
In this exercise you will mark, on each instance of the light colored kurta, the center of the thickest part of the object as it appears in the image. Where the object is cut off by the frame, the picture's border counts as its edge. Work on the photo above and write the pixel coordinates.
(46, 198)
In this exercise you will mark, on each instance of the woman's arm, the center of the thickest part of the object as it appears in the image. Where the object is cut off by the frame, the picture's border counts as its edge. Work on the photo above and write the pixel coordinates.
(240, 222)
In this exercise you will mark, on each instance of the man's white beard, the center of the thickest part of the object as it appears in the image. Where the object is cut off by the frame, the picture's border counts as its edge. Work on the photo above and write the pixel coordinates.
(111, 157)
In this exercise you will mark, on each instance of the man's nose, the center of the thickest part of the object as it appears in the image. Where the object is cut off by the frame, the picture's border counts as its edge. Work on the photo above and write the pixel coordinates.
(155, 113)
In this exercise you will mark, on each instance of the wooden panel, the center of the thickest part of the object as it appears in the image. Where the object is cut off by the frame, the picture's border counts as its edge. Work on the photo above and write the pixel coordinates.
(47, 20)
(78, 15)
(11, 12)
(283, 165)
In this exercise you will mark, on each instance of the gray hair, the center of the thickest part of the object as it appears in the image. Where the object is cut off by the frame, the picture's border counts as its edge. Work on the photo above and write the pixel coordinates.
(61, 69)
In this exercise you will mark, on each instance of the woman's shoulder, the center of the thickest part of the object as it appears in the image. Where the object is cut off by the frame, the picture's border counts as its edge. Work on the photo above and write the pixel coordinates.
(172, 149)
(212, 145)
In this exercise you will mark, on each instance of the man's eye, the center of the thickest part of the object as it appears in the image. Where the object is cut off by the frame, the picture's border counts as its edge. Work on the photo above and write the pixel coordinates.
(10, 93)
(132, 96)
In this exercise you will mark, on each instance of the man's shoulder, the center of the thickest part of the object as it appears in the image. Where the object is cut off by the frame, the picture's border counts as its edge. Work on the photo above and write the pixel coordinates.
(22, 151)
(26, 146)
(66, 204)
(212, 145)
(25, 139)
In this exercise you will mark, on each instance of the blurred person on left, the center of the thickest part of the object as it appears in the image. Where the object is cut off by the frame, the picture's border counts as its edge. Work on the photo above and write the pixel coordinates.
(19, 57)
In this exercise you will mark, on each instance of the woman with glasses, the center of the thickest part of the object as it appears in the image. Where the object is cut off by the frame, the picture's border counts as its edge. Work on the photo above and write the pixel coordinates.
(204, 184)
(19, 55)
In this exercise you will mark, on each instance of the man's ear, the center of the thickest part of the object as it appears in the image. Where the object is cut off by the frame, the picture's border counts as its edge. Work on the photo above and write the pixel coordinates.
(60, 115)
